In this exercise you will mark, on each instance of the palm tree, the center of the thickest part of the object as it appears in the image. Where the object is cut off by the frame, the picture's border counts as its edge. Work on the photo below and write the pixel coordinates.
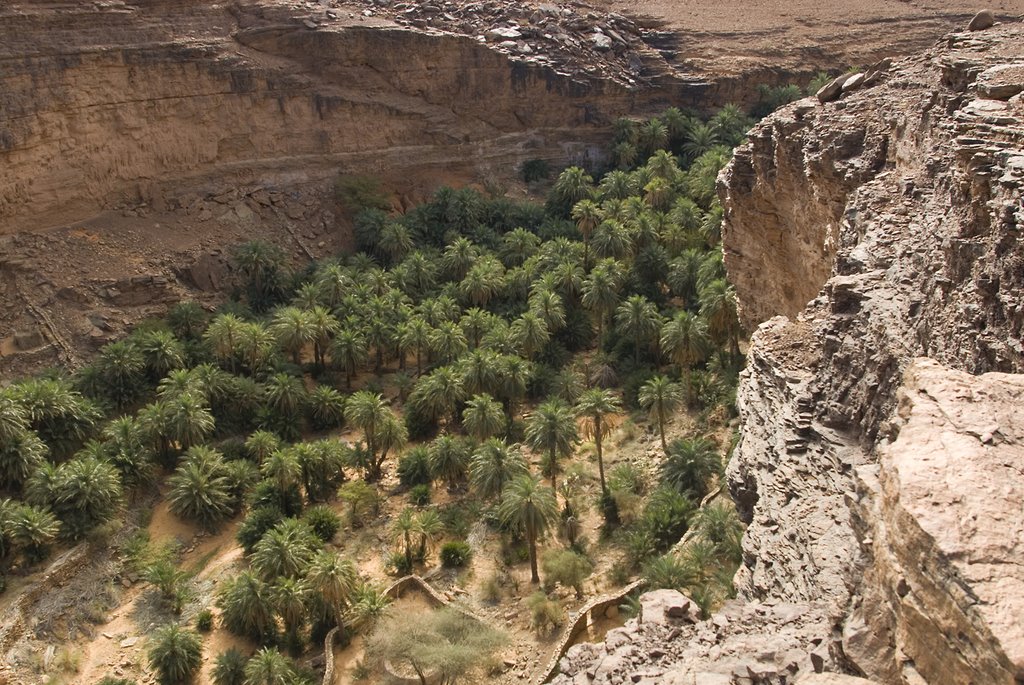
(700, 138)
(402, 530)
(479, 371)
(484, 280)
(189, 420)
(458, 257)
(32, 529)
(127, 449)
(531, 509)
(660, 396)
(223, 335)
(447, 342)
(690, 465)
(87, 492)
(187, 320)
(530, 333)
(493, 465)
(483, 417)
(121, 369)
(653, 136)
(429, 528)
(261, 444)
(334, 284)
(638, 318)
(415, 336)
(601, 293)
(587, 215)
(199, 488)
(285, 550)
(685, 339)
(21, 453)
(548, 305)
(617, 185)
(229, 668)
(573, 184)
(282, 468)
(293, 329)
(291, 596)
(594, 406)
(349, 350)
(718, 305)
(449, 457)
(441, 392)
(269, 667)
(518, 245)
(326, 407)
(395, 241)
(682, 275)
(514, 377)
(256, 345)
(552, 429)
(333, 580)
(367, 411)
(611, 240)
(175, 654)
(161, 352)
(248, 607)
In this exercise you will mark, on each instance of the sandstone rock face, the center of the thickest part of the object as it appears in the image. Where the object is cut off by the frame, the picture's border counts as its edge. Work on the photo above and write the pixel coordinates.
(875, 243)
(892, 222)
(944, 529)
(107, 103)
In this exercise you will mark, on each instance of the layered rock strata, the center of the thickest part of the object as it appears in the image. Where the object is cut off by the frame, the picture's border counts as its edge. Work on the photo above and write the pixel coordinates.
(878, 239)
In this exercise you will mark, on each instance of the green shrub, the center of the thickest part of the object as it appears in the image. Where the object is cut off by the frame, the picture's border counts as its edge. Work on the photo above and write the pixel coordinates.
(455, 554)
(414, 467)
(566, 568)
(535, 170)
(230, 668)
(256, 524)
(545, 614)
(324, 522)
(175, 654)
(420, 495)
(204, 621)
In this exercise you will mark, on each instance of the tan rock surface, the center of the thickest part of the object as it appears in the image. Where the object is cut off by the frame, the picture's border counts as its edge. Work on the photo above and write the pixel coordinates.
(947, 536)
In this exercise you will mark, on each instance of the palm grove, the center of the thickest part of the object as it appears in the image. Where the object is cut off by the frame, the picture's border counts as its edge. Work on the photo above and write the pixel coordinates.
(472, 343)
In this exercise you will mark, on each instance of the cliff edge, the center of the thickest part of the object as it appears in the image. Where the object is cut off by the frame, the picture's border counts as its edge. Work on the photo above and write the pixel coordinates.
(875, 242)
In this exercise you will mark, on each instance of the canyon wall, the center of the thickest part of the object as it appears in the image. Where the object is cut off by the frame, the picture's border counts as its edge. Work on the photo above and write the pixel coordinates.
(874, 240)
(107, 103)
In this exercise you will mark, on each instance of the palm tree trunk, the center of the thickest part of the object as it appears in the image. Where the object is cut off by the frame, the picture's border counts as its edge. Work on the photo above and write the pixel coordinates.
(636, 349)
(600, 457)
(534, 575)
(554, 470)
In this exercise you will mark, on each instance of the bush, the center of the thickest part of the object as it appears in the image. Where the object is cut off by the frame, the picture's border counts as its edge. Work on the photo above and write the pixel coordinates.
(546, 614)
(399, 563)
(455, 554)
(535, 170)
(230, 668)
(414, 467)
(323, 521)
(255, 525)
(204, 621)
(566, 568)
(175, 654)
(420, 495)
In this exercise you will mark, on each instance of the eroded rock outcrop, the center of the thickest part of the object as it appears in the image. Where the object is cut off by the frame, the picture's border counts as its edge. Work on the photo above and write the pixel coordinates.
(876, 239)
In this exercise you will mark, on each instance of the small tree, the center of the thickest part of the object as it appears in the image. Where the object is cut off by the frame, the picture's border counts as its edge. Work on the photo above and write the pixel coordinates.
(446, 644)
(531, 509)
(567, 568)
(175, 654)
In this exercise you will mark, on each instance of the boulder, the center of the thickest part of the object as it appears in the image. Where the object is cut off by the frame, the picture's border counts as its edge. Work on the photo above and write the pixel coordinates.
(665, 606)
(831, 90)
(982, 20)
(854, 82)
(503, 33)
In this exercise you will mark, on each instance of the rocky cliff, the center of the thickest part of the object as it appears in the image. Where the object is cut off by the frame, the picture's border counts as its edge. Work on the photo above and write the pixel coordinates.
(876, 239)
